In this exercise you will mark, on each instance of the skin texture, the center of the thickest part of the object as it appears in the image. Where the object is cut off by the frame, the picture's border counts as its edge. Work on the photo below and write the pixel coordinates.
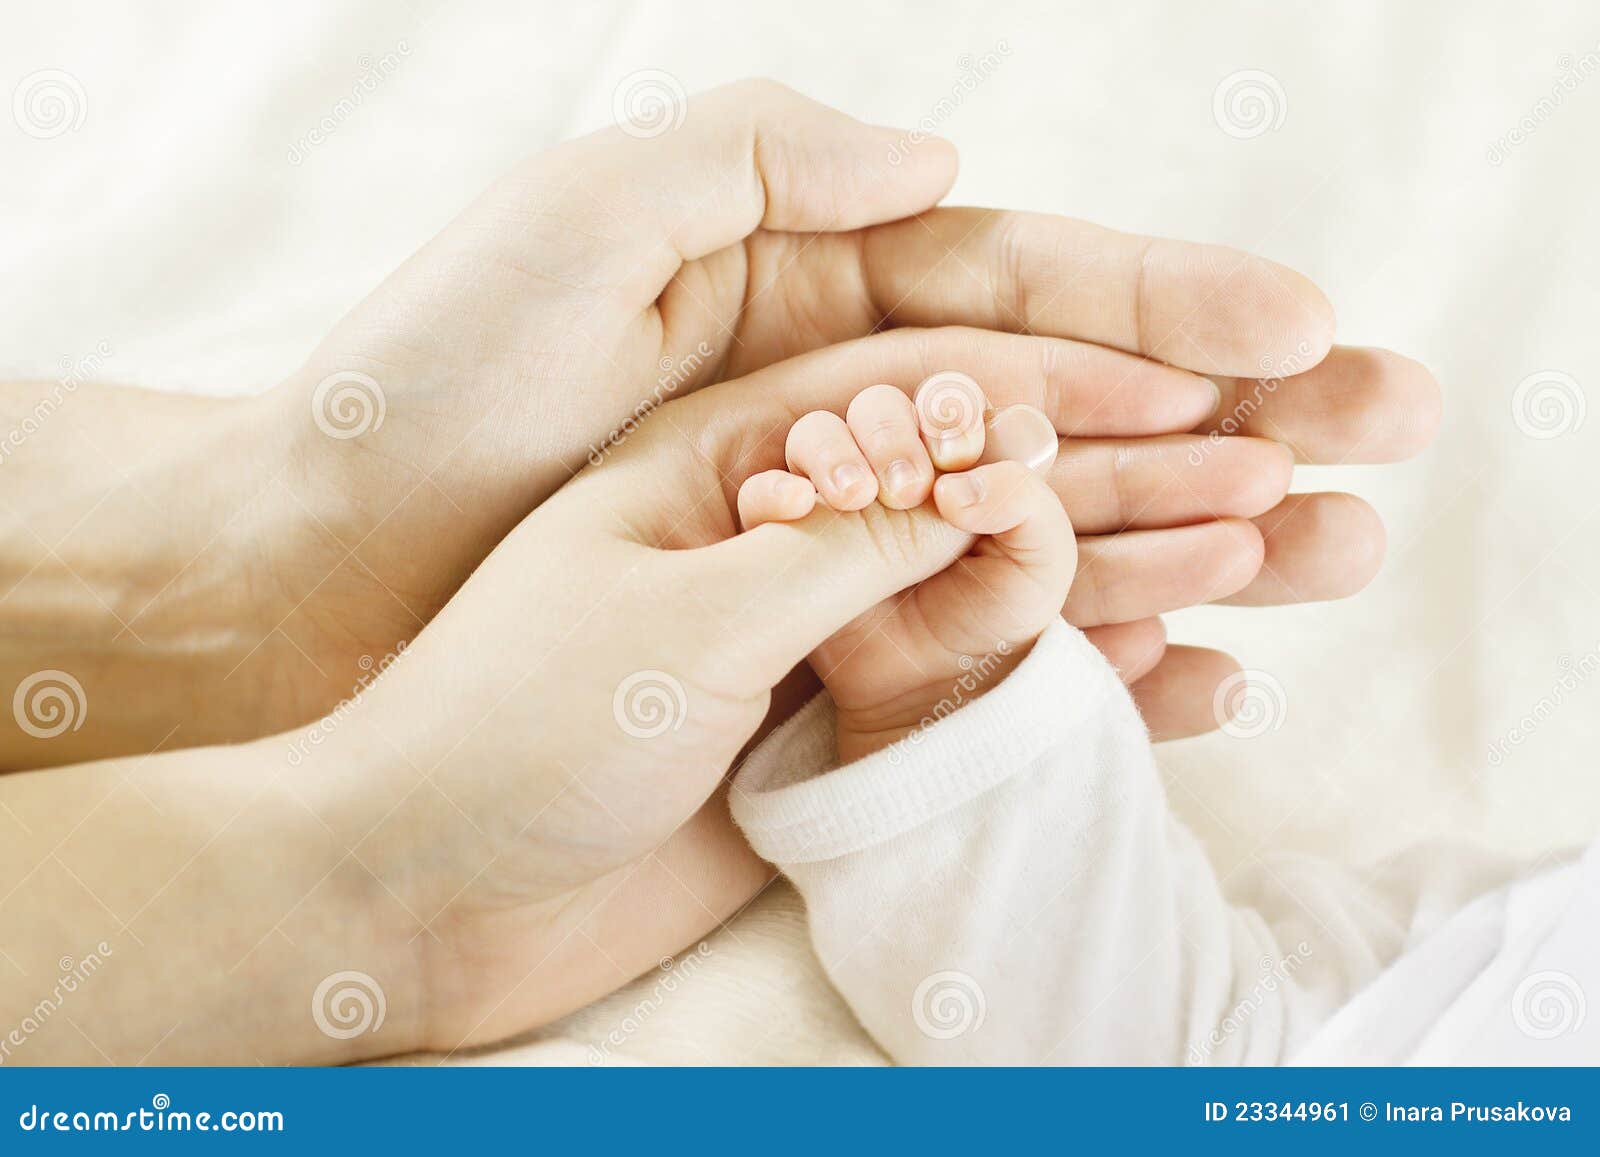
(213, 572)
(891, 669)
(604, 276)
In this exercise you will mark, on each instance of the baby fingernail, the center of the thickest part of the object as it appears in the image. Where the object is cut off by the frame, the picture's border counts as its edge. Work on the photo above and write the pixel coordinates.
(949, 404)
(901, 477)
(847, 477)
(963, 489)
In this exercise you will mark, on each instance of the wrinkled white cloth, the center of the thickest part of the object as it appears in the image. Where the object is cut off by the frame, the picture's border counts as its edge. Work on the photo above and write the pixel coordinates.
(1010, 886)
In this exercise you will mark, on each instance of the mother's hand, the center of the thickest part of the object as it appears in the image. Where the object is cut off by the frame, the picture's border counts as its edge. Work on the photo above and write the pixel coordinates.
(553, 735)
(611, 273)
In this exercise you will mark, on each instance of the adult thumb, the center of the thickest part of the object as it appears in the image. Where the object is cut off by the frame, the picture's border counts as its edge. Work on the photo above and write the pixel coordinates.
(783, 588)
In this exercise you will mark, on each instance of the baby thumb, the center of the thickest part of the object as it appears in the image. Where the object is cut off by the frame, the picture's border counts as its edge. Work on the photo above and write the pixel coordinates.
(783, 588)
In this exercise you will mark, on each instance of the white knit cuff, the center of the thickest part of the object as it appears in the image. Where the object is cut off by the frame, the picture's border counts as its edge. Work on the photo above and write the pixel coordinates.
(793, 809)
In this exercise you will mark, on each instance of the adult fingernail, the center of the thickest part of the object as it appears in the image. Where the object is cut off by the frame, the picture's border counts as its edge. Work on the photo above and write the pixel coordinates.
(963, 490)
(1021, 434)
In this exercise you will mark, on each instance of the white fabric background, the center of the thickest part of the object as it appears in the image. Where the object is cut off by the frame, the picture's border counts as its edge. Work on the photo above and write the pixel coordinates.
(172, 227)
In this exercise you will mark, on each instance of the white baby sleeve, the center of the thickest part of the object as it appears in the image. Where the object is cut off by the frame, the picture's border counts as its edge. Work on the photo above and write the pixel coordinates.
(1008, 886)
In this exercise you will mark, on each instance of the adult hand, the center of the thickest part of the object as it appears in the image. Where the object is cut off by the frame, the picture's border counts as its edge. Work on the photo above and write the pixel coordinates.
(578, 701)
(613, 272)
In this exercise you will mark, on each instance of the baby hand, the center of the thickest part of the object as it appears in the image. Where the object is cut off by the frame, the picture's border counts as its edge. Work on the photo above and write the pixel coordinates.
(924, 652)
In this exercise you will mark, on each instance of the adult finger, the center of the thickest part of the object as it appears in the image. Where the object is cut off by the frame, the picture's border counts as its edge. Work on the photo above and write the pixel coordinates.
(1082, 389)
(1178, 696)
(1355, 406)
(1132, 648)
(1316, 547)
(1140, 573)
(1204, 307)
(1109, 485)
(628, 207)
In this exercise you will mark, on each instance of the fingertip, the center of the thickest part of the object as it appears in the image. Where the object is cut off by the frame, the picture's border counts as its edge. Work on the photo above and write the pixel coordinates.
(935, 161)
(851, 487)
(774, 496)
(1021, 433)
(983, 500)
(950, 411)
(1259, 319)
(1179, 696)
(1317, 327)
(1408, 395)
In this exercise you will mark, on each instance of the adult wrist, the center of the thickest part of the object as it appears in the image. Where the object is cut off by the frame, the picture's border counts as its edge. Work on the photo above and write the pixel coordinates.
(363, 933)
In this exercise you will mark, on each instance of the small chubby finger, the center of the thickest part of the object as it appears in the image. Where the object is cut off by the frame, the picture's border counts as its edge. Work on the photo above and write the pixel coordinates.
(950, 411)
(775, 496)
(1008, 502)
(820, 447)
(884, 423)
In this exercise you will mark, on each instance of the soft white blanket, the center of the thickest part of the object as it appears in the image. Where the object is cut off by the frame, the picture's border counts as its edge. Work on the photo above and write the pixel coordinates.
(1433, 169)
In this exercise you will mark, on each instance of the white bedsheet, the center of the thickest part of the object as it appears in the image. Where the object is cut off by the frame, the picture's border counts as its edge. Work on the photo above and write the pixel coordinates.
(189, 234)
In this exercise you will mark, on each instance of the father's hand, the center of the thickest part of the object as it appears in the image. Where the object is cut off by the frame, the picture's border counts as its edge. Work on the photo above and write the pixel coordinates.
(614, 272)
